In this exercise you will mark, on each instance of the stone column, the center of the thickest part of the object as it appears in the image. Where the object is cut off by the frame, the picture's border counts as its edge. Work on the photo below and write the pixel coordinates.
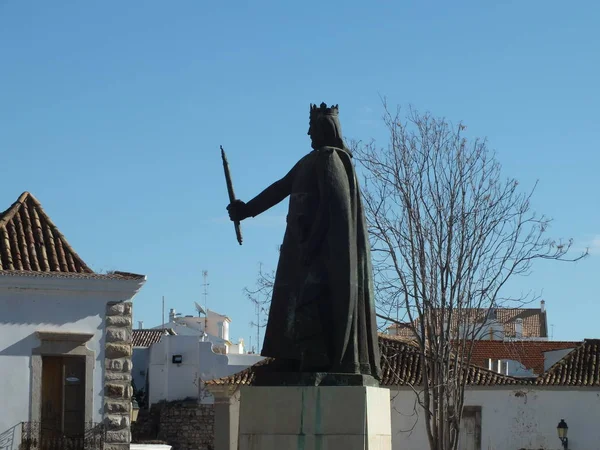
(227, 416)
(117, 376)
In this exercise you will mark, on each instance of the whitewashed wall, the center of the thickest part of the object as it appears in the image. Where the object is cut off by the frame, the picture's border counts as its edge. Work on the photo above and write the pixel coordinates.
(511, 419)
(168, 381)
(31, 304)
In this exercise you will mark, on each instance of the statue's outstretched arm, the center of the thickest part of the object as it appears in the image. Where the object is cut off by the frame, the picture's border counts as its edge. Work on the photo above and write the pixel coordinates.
(271, 195)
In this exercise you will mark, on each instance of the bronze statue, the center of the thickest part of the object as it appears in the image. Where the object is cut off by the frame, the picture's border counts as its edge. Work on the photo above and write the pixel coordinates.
(322, 315)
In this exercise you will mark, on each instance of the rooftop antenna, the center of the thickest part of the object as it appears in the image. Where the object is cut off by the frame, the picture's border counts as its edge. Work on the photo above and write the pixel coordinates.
(163, 312)
(200, 309)
(205, 293)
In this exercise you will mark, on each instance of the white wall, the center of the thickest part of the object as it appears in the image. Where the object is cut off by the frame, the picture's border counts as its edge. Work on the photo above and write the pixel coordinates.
(30, 304)
(217, 324)
(511, 419)
(237, 349)
(170, 381)
(553, 356)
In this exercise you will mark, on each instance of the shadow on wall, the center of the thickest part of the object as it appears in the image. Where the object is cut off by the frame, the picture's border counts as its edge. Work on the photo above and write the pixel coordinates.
(51, 312)
(25, 345)
(8, 437)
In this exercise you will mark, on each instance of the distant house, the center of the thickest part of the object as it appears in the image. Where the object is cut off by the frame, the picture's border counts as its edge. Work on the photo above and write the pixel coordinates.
(501, 412)
(209, 325)
(494, 324)
(520, 358)
(65, 339)
(172, 363)
(142, 340)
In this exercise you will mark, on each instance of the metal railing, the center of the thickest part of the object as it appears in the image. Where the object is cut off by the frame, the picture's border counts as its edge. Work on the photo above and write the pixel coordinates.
(39, 436)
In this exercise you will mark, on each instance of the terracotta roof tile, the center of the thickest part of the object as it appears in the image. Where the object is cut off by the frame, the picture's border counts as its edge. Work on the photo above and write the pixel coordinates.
(29, 241)
(534, 321)
(581, 367)
(147, 337)
(528, 353)
(400, 365)
(75, 275)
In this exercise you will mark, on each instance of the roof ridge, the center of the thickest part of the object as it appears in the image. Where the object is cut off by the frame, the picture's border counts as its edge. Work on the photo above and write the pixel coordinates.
(10, 212)
(38, 212)
(153, 329)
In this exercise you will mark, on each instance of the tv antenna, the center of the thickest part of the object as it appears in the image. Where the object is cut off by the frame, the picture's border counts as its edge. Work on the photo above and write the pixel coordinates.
(205, 285)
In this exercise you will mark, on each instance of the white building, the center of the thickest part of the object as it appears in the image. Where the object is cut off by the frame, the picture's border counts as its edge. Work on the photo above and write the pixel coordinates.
(209, 325)
(504, 413)
(179, 366)
(143, 340)
(172, 363)
(61, 323)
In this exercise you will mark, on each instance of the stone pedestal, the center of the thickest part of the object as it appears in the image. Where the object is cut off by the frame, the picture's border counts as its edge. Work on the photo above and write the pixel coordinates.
(315, 418)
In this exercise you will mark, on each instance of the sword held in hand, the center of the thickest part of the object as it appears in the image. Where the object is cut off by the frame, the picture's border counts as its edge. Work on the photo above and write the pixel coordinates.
(236, 224)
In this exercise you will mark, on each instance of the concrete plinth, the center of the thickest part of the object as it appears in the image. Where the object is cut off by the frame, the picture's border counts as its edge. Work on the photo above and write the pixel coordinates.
(315, 418)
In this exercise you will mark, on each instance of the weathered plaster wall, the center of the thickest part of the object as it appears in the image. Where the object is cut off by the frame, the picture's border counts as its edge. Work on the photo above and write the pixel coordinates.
(511, 419)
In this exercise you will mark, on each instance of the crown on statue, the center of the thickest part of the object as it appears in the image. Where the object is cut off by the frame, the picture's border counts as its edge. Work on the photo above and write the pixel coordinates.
(323, 110)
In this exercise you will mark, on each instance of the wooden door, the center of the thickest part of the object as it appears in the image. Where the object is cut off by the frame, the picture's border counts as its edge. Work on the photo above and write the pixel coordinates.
(63, 396)
(74, 396)
(470, 429)
(52, 395)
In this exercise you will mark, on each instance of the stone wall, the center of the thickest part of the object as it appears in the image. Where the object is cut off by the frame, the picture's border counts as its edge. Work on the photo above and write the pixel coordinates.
(185, 425)
(117, 375)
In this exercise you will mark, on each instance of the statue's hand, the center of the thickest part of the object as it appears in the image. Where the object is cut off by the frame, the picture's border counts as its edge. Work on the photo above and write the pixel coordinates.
(237, 210)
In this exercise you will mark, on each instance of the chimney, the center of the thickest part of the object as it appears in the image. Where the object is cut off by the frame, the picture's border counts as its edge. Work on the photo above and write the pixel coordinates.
(543, 306)
(140, 324)
(519, 328)
(171, 315)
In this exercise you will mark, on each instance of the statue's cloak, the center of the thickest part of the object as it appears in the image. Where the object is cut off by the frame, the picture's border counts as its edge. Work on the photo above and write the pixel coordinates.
(323, 295)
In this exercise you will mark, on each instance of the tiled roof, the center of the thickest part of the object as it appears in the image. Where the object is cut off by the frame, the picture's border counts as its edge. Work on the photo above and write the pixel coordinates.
(29, 241)
(147, 337)
(400, 366)
(581, 367)
(534, 321)
(75, 275)
(528, 353)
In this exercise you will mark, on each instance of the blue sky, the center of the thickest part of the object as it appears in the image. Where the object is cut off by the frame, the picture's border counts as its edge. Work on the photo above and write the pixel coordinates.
(112, 114)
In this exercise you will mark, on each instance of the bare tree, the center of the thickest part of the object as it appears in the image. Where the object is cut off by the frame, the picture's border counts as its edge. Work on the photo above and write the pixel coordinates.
(260, 297)
(447, 233)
